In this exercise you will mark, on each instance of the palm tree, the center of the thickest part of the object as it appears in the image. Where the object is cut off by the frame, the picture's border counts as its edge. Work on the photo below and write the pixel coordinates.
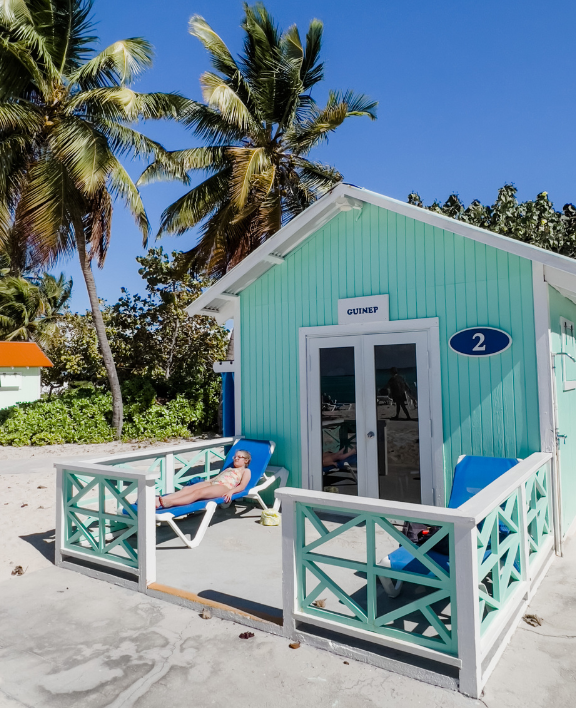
(29, 310)
(65, 120)
(260, 122)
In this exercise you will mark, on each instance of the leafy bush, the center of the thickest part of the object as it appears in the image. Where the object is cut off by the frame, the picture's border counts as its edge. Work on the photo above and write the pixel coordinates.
(84, 415)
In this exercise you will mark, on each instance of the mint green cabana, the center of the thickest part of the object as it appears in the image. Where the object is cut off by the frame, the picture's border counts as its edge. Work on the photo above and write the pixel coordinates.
(360, 286)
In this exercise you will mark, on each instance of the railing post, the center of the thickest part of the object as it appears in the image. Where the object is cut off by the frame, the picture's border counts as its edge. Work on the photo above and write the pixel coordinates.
(60, 518)
(468, 616)
(288, 566)
(524, 535)
(169, 472)
(146, 534)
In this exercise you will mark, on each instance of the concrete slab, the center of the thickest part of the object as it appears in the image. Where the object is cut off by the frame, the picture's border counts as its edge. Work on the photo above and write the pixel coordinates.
(67, 640)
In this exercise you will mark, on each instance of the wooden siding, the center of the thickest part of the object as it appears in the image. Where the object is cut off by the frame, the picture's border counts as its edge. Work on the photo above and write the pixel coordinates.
(490, 406)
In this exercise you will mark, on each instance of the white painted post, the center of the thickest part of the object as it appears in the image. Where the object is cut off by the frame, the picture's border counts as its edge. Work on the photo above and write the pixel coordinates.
(169, 472)
(468, 617)
(60, 518)
(288, 566)
(524, 536)
(146, 534)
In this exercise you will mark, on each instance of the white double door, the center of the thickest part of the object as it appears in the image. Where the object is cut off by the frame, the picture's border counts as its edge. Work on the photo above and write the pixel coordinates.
(369, 415)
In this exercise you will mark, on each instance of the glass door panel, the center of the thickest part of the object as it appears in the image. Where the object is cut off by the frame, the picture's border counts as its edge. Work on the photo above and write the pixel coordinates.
(397, 433)
(338, 420)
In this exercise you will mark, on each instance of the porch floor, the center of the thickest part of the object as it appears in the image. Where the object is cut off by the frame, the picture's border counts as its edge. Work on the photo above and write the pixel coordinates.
(239, 562)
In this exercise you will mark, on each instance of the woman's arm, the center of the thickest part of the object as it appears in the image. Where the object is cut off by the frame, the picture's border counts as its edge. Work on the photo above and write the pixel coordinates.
(241, 487)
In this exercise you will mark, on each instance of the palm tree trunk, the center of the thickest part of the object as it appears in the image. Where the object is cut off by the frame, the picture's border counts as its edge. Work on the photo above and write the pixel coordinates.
(117, 404)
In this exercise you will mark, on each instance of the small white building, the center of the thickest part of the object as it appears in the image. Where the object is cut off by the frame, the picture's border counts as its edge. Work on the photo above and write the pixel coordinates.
(20, 364)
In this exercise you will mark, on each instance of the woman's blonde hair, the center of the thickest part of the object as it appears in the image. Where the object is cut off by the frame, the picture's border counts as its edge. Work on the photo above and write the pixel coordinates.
(246, 454)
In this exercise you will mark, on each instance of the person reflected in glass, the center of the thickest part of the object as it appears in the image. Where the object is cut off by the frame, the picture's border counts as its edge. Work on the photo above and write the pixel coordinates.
(398, 391)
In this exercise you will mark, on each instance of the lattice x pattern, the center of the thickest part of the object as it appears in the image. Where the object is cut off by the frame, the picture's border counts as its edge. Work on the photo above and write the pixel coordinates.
(337, 574)
(148, 465)
(537, 511)
(499, 559)
(190, 468)
(96, 524)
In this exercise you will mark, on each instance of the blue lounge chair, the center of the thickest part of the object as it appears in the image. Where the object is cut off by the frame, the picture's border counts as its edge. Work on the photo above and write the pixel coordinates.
(472, 474)
(262, 476)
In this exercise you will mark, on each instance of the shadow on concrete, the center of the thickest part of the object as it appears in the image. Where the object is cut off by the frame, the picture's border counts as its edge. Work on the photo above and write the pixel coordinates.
(43, 543)
(265, 612)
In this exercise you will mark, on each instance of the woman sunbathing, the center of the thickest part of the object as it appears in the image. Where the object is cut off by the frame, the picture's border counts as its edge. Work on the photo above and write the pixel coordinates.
(231, 480)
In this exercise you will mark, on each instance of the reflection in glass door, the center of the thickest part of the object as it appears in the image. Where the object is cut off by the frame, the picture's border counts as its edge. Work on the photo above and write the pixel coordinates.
(338, 420)
(397, 428)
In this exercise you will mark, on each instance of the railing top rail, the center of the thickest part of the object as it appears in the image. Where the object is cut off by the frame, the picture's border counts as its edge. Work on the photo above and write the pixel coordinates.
(105, 471)
(159, 451)
(376, 506)
(487, 499)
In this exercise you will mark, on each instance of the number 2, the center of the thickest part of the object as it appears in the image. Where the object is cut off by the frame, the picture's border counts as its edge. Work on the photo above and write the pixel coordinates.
(480, 347)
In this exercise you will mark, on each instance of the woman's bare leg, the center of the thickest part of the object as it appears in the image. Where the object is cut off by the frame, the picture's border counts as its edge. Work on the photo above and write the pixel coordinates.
(189, 495)
(179, 498)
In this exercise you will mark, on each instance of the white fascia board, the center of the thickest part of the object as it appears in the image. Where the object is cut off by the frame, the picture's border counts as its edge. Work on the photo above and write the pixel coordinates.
(268, 255)
(343, 198)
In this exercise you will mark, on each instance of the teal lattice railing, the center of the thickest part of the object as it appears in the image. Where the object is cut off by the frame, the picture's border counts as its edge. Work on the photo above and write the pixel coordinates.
(538, 512)
(99, 520)
(177, 467)
(337, 570)
(499, 558)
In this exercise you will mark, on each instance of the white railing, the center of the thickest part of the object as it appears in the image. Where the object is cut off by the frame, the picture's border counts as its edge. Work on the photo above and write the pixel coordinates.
(105, 512)
(458, 600)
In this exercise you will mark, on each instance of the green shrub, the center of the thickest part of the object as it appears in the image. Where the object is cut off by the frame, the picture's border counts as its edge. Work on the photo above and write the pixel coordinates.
(84, 415)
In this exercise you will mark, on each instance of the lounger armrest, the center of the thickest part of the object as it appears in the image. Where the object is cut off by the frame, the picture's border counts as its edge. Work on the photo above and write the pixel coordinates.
(272, 474)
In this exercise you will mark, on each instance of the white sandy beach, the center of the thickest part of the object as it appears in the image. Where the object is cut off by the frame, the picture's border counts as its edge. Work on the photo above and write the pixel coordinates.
(27, 497)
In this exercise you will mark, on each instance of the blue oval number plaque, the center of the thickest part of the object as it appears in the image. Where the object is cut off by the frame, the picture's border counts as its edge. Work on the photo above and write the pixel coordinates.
(480, 341)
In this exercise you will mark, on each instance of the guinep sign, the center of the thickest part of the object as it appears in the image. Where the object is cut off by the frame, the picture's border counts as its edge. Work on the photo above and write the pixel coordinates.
(372, 308)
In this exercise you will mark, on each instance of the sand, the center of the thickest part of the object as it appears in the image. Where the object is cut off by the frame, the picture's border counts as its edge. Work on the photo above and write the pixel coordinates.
(27, 500)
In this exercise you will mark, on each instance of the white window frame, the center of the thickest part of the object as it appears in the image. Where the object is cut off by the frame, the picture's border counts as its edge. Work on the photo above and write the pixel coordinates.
(435, 494)
(567, 347)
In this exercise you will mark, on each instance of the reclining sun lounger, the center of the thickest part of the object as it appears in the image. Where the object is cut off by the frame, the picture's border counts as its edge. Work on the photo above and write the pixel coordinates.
(262, 477)
(471, 475)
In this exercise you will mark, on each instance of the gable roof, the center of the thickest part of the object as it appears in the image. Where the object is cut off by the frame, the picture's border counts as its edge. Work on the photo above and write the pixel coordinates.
(218, 300)
(21, 354)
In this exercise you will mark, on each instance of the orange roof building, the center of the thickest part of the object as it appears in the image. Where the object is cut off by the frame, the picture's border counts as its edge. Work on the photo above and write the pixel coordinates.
(20, 365)
(18, 354)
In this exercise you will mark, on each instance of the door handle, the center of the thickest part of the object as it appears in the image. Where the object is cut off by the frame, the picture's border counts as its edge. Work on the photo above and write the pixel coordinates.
(370, 434)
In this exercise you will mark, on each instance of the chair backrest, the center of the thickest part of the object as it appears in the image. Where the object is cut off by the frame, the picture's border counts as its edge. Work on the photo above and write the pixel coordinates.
(474, 473)
(261, 451)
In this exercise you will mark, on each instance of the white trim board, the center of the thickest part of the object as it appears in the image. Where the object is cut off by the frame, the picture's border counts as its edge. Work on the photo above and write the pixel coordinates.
(218, 301)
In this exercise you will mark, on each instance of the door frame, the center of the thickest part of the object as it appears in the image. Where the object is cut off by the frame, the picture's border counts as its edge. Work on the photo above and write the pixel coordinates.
(430, 325)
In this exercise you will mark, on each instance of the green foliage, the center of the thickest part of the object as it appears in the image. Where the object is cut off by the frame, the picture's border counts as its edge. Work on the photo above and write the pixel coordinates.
(260, 123)
(535, 222)
(84, 415)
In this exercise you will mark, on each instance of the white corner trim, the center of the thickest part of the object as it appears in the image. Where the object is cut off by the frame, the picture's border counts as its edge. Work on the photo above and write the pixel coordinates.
(543, 357)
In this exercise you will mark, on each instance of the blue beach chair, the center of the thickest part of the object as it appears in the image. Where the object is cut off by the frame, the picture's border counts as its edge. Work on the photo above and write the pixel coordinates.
(262, 477)
(472, 474)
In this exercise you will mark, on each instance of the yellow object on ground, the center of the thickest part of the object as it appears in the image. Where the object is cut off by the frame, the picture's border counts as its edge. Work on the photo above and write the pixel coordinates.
(270, 517)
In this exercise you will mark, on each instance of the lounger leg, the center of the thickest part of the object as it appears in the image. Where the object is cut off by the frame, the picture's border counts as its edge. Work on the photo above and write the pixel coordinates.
(389, 588)
(260, 501)
(197, 540)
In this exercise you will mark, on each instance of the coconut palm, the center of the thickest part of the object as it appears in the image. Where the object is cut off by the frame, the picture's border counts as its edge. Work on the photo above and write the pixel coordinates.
(29, 310)
(261, 123)
(65, 120)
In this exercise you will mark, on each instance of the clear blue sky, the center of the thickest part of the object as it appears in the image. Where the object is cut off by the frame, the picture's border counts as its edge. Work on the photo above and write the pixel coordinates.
(472, 95)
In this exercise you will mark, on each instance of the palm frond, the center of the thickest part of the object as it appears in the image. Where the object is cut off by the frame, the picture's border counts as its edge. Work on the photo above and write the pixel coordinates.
(177, 164)
(119, 103)
(220, 96)
(121, 185)
(196, 204)
(121, 62)
(246, 164)
(220, 55)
